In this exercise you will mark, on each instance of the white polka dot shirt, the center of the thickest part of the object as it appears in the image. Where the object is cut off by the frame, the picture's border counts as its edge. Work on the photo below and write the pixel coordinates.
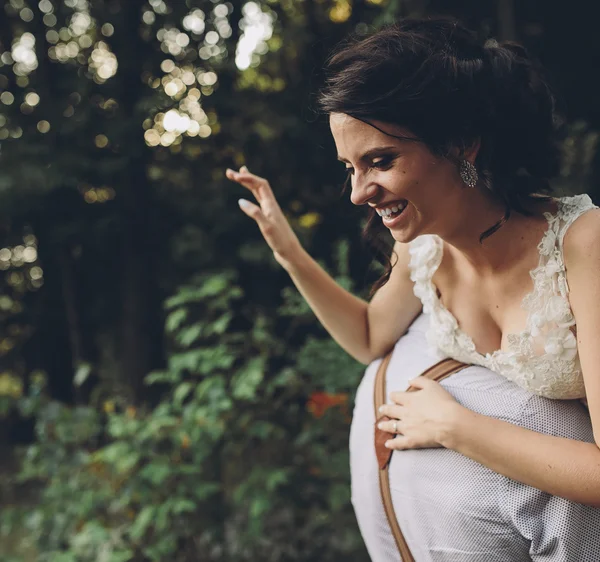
(451, 508)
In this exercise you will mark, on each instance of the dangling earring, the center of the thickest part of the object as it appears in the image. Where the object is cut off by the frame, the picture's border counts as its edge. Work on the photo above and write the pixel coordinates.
(468, 173)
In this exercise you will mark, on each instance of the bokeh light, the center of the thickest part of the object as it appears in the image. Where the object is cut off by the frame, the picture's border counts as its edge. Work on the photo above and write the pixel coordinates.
(93, 195)
(43, 126)
(46, 6)
(148, 17)
(23, 272)
(23, 55)
(101, 141)
(107, 30)
(80, 24)
(257, 28)
(194, 22)
(32, 99)
(341, 11)
(49, 20)
(7, 98)
(173, 41)
(103, 62)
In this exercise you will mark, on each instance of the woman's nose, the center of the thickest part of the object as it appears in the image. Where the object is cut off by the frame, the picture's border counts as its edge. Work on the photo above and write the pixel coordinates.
(362, 190)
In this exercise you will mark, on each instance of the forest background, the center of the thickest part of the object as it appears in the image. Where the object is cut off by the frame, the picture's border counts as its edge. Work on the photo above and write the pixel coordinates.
(165, 394)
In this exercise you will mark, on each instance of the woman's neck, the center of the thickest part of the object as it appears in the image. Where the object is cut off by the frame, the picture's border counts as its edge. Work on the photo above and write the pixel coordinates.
(506, 245)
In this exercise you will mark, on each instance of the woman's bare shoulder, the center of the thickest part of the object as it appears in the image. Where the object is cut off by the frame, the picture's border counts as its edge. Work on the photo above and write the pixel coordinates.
(583, 233)
(394, 306)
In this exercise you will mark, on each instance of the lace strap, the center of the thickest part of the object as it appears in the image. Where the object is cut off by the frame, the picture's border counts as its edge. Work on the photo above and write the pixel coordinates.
(425, 257)
(570, 209)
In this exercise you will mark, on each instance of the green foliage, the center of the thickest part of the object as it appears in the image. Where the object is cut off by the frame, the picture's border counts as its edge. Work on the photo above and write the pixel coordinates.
(230, 464)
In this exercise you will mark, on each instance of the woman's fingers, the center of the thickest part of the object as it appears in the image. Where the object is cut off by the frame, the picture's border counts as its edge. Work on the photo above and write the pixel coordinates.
(391, 411)
(252, 210)
(245, 178)
(269, 231)
(259, 187)
(261, 190)
(391, 426)
(273, 224)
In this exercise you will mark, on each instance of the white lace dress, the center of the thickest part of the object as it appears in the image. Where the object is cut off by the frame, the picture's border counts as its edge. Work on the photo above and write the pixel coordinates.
(543, 358)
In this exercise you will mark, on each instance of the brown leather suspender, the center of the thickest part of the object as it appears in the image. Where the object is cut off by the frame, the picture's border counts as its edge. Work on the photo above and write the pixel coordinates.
(437, 372)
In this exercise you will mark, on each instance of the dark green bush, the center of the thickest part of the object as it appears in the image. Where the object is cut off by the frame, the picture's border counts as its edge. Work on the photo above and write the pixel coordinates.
(245, 458)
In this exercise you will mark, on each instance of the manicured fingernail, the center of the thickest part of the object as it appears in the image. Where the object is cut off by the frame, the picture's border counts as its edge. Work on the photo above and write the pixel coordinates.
(243, 169)
(380, 425)
(381, 408)
(243, 203)
(388, 444)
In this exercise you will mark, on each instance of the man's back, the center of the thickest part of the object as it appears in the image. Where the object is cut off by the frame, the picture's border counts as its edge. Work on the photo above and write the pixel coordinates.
(449, 507)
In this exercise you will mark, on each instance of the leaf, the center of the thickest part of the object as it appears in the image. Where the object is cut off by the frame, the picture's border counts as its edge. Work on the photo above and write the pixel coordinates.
(121, 555)
(203, 361)
(258, 506)
(246, 381)
(184, 506)
(111, 453)
(214, 285)
(207, 489)
(276, 478)
(188, 335)
(207, 286)
(175, 319)
(162, 377)
(126, 463)
(288, 377)
(82, 373)
(156, 425)
(162, 517)
(211, 389)
(142, 522)
(181, 392)
(156, 473)
(220, 325)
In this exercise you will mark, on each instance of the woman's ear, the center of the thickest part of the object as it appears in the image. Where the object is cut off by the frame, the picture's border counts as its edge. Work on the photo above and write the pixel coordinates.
(471, 152)
(458, 153)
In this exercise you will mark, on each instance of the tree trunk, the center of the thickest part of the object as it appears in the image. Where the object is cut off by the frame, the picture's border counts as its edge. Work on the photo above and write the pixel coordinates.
(141, 327)
(507, 28)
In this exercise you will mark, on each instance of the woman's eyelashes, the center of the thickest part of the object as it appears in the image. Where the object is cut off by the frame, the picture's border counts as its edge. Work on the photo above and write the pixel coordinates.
(381, 163)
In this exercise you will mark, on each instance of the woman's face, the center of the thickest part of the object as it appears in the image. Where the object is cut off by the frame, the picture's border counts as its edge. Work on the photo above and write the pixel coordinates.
(403, 178)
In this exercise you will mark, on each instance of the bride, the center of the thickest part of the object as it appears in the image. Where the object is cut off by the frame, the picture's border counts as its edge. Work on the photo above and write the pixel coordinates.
(450, 143)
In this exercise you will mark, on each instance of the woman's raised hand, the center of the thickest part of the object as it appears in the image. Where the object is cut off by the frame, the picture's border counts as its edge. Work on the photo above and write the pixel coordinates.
(273, 225)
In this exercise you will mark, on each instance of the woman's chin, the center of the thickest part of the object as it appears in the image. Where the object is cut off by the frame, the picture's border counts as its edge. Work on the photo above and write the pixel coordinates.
(403, 229)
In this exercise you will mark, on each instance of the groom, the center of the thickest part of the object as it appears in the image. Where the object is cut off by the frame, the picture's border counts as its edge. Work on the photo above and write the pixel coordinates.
(451, 508)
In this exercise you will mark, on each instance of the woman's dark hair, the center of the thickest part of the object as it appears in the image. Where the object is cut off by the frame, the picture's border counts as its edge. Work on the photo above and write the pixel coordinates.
(436, 79)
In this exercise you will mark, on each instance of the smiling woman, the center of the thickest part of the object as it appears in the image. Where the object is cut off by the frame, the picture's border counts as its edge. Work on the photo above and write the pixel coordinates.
(379, 158)
(405, 175)
(450, 144)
